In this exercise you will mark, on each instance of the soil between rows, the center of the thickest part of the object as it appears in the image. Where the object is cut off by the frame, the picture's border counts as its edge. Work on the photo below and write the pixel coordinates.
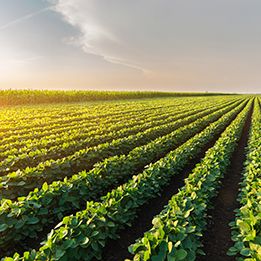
(217, 238)
(175, 184)
(117, 250)
(36, 243)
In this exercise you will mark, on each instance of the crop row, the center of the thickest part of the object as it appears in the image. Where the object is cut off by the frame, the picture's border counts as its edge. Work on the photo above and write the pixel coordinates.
(20, 145)
(60, 198)
(16, 115)
(25, 144)
(32, 158)
(247, 226)
(177, 230)
(19, 115)
(77, 123)
(96, 112)
(56, 123)
(21, 182)
(90, 229)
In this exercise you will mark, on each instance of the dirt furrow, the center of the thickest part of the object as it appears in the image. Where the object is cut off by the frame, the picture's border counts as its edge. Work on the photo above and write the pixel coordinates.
(217, 238)
(117, 250)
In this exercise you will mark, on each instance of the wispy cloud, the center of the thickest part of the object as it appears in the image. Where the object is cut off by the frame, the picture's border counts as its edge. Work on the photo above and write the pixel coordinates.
(97, 37)
(23, 18)
(117, 60)
(169, 37)
(26, 60)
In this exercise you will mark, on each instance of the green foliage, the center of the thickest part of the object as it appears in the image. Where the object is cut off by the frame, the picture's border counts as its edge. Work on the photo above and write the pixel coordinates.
(61, 160)
(84, 159)
(14, 97)
(54, 201)
(181, 223)
(246, 229)
(101, 221)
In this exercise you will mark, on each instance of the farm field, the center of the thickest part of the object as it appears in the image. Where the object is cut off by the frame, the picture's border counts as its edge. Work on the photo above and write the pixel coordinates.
(158, 178)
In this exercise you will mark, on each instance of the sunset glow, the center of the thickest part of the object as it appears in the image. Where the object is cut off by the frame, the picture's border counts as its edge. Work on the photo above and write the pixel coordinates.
(131, 45)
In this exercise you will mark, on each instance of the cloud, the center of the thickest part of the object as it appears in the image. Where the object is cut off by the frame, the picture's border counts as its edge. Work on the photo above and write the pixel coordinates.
(152, 34)
(107, 29)
(23, 18)
(188, 42)
(26, 60)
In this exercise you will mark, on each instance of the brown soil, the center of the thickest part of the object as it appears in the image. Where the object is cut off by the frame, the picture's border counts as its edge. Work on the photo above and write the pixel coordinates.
(117, 250)
(217, 238)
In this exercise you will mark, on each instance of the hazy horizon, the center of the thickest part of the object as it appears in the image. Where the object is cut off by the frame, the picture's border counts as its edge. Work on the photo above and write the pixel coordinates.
(189, 46)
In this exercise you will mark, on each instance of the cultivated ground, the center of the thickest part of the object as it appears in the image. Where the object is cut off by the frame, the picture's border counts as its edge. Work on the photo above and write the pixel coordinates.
(155, 178)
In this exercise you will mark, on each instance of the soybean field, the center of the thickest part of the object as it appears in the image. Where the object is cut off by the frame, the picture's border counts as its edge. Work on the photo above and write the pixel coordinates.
(159, 178)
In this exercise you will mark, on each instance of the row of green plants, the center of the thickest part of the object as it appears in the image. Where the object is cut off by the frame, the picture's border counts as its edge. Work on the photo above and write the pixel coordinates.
(15, 97)
(54, 201)
(83, 236)
(78, 142)
(16, 145)
(246, 229)
(177, 230)
(21, 182)
(29, 113)
(43, 117)
(76, 122)
(17, 121)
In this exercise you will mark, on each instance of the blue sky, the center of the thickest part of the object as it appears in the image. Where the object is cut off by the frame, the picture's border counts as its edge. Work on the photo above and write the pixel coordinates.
(165, 45)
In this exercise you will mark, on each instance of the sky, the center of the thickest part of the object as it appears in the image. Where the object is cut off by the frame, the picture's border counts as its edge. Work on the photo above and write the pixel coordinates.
(160, 45)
